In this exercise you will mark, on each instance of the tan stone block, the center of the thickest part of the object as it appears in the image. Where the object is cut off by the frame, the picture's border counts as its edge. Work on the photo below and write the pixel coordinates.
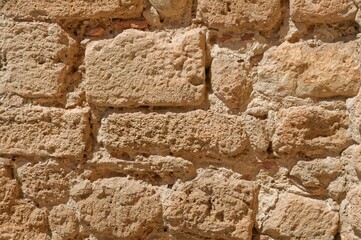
(146, 68)
(47, 132)
(353, 213)
(296, 217)
(197, 133)
(63, 223)
(303, 70)
(312, 132)
(317, 173)
(261, 15)
(70, 9)
(230, 80)
(322, 11)
(164, 169)
(24, 220)
(47, 183)
(121, 208)
(34, 59)
(217, 204)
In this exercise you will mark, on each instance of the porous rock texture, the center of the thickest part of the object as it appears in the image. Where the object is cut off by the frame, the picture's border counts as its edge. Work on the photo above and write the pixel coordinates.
(180, 119)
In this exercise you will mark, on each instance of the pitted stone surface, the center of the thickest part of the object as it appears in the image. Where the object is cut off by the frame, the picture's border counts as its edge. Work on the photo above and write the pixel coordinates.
(260, 15)
(180, 134)
(35, 59)
(303, 70)
(66, 9)
(154, 69)
(40, 131)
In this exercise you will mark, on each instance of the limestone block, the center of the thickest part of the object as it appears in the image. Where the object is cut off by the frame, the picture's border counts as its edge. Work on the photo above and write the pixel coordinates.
(217, 204)
(230, 80)
(197, 133)
(63, 222)
(317, 173)
(262, 15)
(70, 9)
(121, 208)
(47, 183)
(40, 131)
(322, 11)
(149, 68)
(24, 221)
(303, 70)
(352, 213)
(312, 132)
(296, 217)
(35, 58)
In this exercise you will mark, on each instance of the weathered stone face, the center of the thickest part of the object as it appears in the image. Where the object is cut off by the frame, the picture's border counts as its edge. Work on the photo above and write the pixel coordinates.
(303, 70)
(72, 9)
(322, 11)
(121, 208)
(39, 131)
(292, 215)
(153, 69)
(201, 206)
(180, 119)
(240, 15)
(313, 132)
(180, 134)
(38, 67)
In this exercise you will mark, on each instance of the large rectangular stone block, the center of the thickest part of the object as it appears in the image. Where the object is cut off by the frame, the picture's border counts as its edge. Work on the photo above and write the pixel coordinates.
(322, 11)
(34, 58)
(72, 9)
(47, 132)
(196, 133)
(146, 68)
(311, 132)
(304, 70)
(261, 15)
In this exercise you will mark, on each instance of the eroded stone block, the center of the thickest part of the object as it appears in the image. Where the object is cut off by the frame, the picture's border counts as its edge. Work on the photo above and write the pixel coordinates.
(47, 132)
(70, 9)
(146, 68)
(197, 133)
(121, 208)
(239, 15)
(303, 70)
(296, 217)
(322, 11)
(312, 132)
(35, 58)
(216, 204)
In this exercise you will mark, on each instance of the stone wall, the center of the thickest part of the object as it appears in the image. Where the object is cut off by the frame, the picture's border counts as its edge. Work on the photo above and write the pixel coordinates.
(180, 119)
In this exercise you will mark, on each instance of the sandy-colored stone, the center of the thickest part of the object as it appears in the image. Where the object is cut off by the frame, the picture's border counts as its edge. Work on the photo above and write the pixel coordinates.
(34, 59)
(311, 132)
(296, 217)
(40, 131)
(24, 221)
(155, 69)
(63, 223)
(165, 169)
(262, 15)
(322, 11)
(317, 173)
(70, 9)
(47, 183)
(303, 70)
(216, 204)
(169, 8)
(197, 133)
(120, 208)
(353, 214)
(354, 109)
(230, 80)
